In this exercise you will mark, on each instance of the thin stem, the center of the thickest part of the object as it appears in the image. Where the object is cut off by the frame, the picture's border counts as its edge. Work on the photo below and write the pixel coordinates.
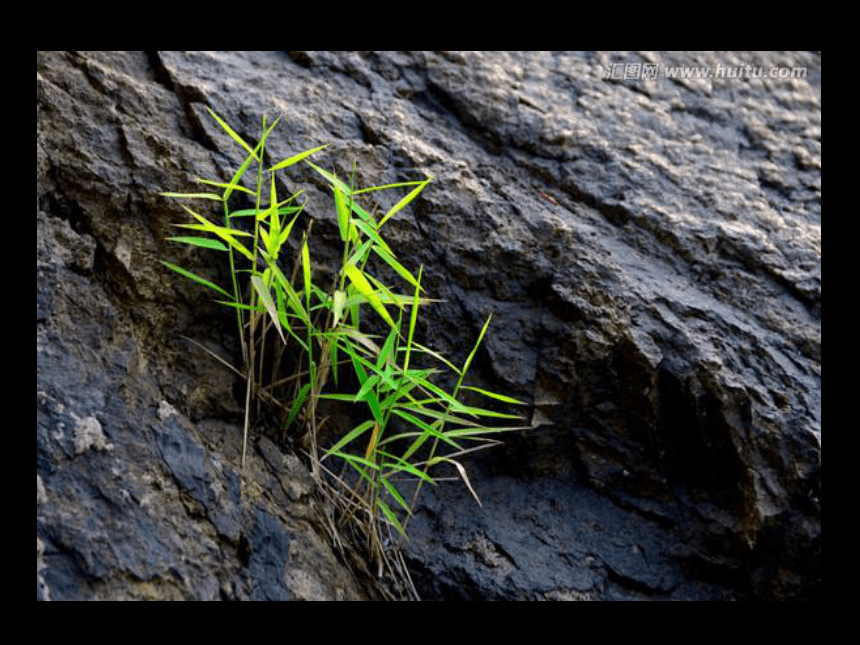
(254, 315)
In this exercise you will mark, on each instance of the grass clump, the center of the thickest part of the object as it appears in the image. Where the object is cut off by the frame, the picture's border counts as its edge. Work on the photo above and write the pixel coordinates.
(409, 425)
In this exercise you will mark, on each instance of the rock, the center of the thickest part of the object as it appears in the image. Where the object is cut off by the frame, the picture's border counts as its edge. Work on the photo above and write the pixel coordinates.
(650, 248)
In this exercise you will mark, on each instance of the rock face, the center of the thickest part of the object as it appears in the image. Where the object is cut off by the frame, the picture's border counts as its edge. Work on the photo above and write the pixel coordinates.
(650, 247)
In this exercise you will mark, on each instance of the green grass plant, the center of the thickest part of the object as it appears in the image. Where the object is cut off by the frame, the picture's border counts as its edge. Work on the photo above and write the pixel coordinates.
(409, 424)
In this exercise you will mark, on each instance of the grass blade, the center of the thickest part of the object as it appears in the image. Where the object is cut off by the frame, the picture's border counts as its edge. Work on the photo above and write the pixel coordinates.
(388, 258)
(472, 354)
(306, 273)
(203, 242)
(266, 298)
(295, 158)
(232, 134)
(402, 184)
(211, 196)
(493, 395)
(342, 213)
(403, 202)
(196, 278)
(360, 282)
(349, 437)
(394, 493)
(297, 404)
(390, 517)
(225, 234)
(230, 186)
(463, 475)
(332, 179)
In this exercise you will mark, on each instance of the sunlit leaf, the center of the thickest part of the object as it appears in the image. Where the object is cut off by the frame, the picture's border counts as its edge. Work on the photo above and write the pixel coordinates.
(360, 282)
(232, 133)
(296, 158)
(403, 202)
(203, 242)
(266, 298)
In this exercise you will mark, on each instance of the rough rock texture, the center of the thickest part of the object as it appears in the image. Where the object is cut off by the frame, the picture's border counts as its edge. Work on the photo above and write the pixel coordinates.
(651, 248)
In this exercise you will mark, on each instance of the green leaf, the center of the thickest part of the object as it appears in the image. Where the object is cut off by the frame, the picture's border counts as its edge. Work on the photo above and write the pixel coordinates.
(225, 186)
(370, 396)
(285, 233)
(365, 388)
(349, 437)
(332, 179)
(273, 246)
(389, 186)
(418, 423)
(400, 464)
(332, 361)
(342, 213)
(413, 318)
(232, 134)
(368, 229)
(338, 307)
(234, 182)
(403, 202)
(266, 298)
(390, 516)
(306, 273)
(360, 282)
(296, 158)
(297, 404)
(493, 395)
(394, 493)
(359, 256)
(211, 196)
(225, 234)
(388, 258)
(387, 347)
(203, 242)
(472, 354)
(196, 278)
(292, 297)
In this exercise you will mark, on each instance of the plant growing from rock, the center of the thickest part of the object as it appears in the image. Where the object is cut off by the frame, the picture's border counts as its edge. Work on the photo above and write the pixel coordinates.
(411, 424)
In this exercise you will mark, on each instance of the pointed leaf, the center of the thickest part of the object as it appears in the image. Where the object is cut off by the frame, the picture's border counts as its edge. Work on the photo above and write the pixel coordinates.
(463, 474)
(232, 133)
(388, 258)
(360, 282)
(211, 196)
(403, 202)
(401, 184)
(285, 233)
(365, 388)
(266, 298)
(306, 273)
(390, 516)
(296, 158)
(225, 234)
(332, 178)
(196, 278)
(297, 404)
(387, 347)
(395, 493)
(342, 213)
(203, 242)
(493, 395)
(338, 306)
(349, 437)
(230, 186)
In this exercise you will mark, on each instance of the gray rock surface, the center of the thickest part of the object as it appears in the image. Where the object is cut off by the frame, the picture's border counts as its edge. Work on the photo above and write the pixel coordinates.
(650, 248)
